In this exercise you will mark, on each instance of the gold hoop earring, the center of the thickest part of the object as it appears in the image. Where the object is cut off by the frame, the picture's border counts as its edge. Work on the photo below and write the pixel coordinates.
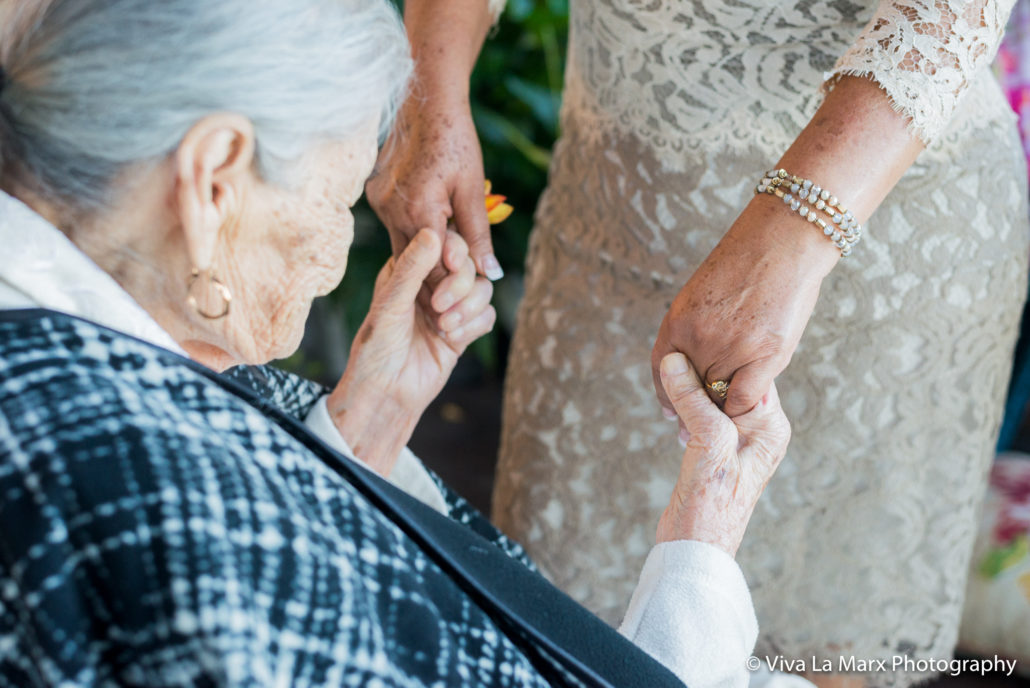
(223, 291)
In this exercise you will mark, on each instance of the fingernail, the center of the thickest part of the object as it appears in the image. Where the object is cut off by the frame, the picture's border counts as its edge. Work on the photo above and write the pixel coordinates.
(424, 236)
(457, 334)
(674, 364)
(445, 301)
(669, 413)
(450, 321)
(492, 268)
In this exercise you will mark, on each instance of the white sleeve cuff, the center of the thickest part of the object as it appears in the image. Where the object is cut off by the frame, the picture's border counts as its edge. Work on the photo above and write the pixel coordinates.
(692, 612)
(408, 472)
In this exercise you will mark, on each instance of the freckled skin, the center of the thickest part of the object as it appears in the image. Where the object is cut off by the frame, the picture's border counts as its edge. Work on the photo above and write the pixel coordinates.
(431, 170)
(740, 316)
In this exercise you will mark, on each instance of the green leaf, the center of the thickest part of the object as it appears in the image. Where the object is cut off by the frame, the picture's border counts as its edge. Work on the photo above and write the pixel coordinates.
(492, 124)
(1001, 558)
(542, 102)
(558, 7)
(518, 10)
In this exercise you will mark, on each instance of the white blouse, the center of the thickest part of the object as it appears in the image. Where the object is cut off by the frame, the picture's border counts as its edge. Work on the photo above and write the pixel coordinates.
(692, 609)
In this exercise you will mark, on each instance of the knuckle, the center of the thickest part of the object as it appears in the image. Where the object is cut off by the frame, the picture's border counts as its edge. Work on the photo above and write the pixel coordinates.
(766, 346)
(422, 212)
(678, 391)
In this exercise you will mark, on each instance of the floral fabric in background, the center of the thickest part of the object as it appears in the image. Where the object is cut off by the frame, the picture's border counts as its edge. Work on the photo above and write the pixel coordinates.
(997, 608)
(1013, 67)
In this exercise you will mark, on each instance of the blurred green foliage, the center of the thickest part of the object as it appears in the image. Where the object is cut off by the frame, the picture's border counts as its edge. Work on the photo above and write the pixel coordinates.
(516, 96)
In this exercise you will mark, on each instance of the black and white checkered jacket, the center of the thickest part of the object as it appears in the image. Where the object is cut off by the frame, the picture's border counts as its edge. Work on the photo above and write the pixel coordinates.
(164, 526)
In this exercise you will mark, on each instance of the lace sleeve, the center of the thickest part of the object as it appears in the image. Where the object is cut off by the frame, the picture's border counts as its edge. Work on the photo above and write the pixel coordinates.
(924, 54)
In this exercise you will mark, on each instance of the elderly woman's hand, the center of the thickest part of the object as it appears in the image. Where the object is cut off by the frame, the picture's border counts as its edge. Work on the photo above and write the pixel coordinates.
(727, 462)
(400, 360)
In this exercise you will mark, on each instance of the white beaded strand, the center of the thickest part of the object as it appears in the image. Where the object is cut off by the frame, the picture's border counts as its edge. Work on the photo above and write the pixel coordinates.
(805, 197)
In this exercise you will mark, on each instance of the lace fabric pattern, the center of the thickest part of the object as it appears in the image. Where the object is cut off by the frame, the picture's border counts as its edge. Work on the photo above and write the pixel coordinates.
(924, 54)
(861, 543)
(692, 75)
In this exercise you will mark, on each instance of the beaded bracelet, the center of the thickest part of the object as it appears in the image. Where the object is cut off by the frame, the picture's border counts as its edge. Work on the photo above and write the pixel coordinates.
(842, 229)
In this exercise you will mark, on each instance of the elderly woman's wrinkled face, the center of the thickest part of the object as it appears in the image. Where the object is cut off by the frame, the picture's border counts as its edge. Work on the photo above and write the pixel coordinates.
(288, 246)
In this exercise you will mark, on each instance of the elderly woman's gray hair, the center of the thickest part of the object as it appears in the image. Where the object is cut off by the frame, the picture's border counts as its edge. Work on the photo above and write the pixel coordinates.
(92, 86)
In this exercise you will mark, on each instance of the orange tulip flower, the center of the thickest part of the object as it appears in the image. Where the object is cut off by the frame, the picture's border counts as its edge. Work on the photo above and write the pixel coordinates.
(497, 210)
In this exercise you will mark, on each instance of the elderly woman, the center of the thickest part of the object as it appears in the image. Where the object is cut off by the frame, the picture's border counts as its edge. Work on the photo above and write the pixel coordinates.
(177, 178)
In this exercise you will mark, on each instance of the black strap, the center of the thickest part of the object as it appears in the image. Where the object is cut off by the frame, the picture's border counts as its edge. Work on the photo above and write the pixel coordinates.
(539, 618)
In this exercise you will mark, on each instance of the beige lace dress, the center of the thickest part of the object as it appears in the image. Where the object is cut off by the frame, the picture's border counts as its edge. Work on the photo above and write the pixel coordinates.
(672, 110)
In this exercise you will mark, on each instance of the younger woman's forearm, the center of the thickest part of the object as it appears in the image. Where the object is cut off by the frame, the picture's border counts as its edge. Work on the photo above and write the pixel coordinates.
(446, 37)
(856, 144)
(857, 147)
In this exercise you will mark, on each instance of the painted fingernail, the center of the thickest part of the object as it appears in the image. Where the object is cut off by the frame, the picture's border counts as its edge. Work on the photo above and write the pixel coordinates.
(450, 321)
(492, 268)
(669, 413)
(445, 301)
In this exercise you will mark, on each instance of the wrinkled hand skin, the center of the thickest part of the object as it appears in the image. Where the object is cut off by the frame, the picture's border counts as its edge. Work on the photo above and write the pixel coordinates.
(430, 173)
(740, 316)
(727, 462)
(400, 361)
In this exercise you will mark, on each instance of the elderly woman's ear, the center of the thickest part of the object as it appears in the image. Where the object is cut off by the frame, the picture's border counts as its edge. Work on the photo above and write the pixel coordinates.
(214, 169)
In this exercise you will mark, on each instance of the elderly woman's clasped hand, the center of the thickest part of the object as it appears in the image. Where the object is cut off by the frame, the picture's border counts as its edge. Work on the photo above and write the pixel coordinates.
(400, 360)
(726, 464)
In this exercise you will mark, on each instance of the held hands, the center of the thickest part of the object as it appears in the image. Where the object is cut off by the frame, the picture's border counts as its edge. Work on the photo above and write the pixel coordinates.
(727, 462)
(430, 174)
(740, 316)
(400, 360)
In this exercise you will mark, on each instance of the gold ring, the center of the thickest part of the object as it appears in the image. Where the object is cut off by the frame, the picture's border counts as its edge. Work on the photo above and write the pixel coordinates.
(719, 388)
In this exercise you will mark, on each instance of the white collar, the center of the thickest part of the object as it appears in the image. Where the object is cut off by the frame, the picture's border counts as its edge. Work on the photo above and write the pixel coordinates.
(42, 268)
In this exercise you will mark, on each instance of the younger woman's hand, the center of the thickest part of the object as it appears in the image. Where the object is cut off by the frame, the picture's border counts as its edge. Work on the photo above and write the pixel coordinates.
(430, 175)
(740, 316)
(400, 358)
(727, 462)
